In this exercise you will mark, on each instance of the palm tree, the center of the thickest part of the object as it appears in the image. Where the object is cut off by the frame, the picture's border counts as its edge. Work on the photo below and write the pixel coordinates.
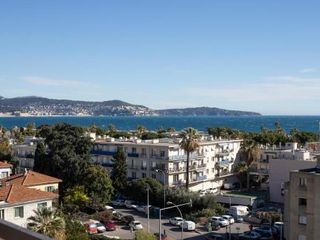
(140, 130)
(241, 171)
(250, 151)
(47, 222)
(189, 143)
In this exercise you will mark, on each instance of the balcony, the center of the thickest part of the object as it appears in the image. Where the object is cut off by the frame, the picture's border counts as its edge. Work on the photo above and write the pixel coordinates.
(193, 156)
(223, 163)
(199, 178)
(135, 155)
(107, 164)
(102, 152)
(158, 157)
(133, 167)
(144, 168)
(177, 170)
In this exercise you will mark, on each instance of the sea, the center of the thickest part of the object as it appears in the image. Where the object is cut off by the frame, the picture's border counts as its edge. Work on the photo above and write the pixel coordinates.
(246, 123)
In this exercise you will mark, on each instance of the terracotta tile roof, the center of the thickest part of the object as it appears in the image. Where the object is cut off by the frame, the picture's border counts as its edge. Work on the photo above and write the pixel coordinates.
(17, 193)
(5, 165)
(31, 178)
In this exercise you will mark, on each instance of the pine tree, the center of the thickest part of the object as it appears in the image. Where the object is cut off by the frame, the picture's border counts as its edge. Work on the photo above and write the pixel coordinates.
(119, 171)
(40, 158)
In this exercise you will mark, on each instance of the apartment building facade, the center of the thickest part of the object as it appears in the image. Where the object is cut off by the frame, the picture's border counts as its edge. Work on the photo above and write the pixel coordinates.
(5, 169)
(302, 204)
(163, 159)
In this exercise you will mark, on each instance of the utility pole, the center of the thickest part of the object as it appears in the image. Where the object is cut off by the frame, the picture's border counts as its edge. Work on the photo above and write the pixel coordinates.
(148, 210)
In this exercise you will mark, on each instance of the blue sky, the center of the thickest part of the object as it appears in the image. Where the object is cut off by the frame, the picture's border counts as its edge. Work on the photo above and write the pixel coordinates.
(254, 55)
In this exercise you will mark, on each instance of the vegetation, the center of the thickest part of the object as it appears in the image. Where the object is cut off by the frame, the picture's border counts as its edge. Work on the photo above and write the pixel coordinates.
(75, 198)
(189, 144)
(119, 171)
(241, 170)
(142, 235)
(75, 230)
(47, 222)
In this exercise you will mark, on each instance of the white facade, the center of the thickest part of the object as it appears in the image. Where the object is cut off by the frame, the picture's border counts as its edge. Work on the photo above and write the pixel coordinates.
(11, 213)
(210, 165)
(5, 172)
(24, 153)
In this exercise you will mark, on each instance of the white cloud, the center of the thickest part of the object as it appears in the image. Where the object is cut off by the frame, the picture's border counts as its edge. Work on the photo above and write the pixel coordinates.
(308, 70)
(50, 82)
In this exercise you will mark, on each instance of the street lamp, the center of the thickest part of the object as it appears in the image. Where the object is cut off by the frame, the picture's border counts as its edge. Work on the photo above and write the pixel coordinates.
(174, 206)
(164, 185)
(171, 203)
(148, 210)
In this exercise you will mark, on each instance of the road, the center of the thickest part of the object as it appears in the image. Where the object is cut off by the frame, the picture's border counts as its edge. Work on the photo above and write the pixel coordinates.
(172, 232)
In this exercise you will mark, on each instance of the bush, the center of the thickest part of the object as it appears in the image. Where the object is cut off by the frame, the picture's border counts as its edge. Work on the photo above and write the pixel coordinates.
(141, 235)
(203, 215)
(103, 216)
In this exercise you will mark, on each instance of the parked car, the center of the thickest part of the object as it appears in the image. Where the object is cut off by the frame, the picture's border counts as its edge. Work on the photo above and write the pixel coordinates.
(228, 186)
(212, 190)
(129, 203)
(90, 227)
(136, 225)
(163, 237)
(118, 202)
(202, 193)
(249, 235)
(110, 225)
(176, 221)
(279, 226)
(188, 226)
(229, 218)
(100, 227)
(109, 208)
(213, 226)
(127, 219)
(264, 235)
(219, 220)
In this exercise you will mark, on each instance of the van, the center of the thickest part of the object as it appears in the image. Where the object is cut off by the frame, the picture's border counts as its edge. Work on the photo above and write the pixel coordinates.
(238, 211)
(188, 225)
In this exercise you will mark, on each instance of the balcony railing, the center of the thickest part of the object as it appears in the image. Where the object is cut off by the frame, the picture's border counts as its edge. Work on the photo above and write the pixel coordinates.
(143, 168)
(199, 178)
(177, 170)
(193, 156)
(133, 167)
(223, 163)
(133, 155)
(102, 152)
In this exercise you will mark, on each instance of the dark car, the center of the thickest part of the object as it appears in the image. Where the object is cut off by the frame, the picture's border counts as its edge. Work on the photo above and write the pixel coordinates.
(127, 219)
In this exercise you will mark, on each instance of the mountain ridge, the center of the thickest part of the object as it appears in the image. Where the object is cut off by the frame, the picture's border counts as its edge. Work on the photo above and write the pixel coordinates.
(35, 105)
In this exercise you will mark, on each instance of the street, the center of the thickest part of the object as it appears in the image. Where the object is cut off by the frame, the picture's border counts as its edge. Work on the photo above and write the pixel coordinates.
(172, 232)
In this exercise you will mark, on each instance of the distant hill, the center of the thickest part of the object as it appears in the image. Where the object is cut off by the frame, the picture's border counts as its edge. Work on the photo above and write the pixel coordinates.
(33, 105)
(204, 111)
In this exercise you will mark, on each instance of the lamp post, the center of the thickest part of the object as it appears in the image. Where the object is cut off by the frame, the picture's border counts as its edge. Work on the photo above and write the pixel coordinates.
(164, 185)
(148, 210)
(174, 206)
(171, 203)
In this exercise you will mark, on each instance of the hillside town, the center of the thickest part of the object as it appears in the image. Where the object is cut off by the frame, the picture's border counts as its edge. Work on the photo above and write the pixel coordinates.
(121, 184)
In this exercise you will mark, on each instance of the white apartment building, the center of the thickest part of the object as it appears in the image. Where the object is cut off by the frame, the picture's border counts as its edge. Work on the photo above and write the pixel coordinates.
(5, 169)
(210, 165)
(276, 163)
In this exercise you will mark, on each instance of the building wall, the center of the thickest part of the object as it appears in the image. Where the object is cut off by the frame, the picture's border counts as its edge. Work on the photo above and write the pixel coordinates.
(279, 173)
(5, 170)
(144, 157)
(9, 212)
(294, 210)
(44, 186)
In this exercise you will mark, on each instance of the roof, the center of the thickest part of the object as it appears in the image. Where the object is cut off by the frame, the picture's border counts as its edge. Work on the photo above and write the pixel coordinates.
(5, 165)
(31, 178)
(17, 193)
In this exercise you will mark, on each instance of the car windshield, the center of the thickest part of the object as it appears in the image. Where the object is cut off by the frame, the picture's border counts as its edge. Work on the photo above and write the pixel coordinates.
(137, 223)
(99, 225)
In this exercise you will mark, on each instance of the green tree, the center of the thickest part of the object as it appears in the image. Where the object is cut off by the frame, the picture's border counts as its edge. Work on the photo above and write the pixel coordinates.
(40, 163)
(250, 151)
(189, 144)
(119, 171)
(47, 222)
(75, 198)
(75, 230)
(111, 130)
(140, 130)
(98, 186)
(241, 170)
(141, 235)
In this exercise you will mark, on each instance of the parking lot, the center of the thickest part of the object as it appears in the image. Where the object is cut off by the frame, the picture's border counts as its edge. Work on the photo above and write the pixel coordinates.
(172, 232)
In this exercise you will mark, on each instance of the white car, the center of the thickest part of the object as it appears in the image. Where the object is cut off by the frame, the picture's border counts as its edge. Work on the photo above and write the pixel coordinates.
(229, 218)
(176, 221)
(109, 208)
(202, 193)
(129, 203)
(136, 225)
(100, 227)
(212, 190)
(188, 225)
(219, 221)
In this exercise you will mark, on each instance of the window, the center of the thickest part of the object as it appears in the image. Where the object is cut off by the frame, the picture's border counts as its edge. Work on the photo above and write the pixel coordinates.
(49, 189)
(153, 176)
(302, 237)
(18, 212)
(134, 150)
(302, 202)
(144, 175)
(162, 153)
(303, 220)
(175, 178)
(4, 174)
(42, 205)
(302, 181)
(134, 175)
(1, 213)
